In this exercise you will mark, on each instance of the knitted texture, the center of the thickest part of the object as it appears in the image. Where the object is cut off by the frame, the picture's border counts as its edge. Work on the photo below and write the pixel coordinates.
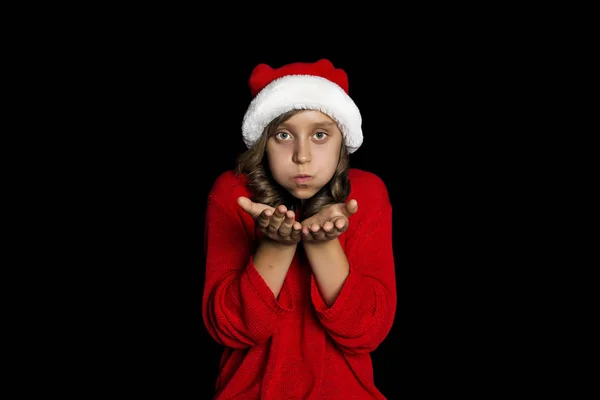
(295, 346)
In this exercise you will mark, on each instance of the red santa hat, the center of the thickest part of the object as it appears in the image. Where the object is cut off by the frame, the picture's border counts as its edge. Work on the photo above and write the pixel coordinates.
(315, 86)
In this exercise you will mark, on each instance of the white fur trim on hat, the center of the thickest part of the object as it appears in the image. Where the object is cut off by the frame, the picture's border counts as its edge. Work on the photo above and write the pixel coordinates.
(303, 92)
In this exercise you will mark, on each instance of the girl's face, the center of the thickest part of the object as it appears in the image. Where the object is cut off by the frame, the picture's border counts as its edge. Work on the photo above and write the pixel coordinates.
(303, 153)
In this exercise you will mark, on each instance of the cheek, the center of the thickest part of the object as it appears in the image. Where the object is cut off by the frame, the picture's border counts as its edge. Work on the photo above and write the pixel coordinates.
(276, 163)
(329, 157)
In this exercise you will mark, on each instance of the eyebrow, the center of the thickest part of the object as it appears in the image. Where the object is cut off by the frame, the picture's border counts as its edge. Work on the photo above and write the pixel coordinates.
(324, 124)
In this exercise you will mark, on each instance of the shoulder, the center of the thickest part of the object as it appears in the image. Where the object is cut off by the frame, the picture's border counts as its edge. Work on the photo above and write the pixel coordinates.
(368, 187)
(229, 186)
(367, 178)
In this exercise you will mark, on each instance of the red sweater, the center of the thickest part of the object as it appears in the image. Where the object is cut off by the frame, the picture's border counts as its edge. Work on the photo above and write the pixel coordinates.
(294, 346)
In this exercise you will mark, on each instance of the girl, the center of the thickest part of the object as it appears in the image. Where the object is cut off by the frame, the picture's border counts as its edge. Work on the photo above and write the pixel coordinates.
(300, 284)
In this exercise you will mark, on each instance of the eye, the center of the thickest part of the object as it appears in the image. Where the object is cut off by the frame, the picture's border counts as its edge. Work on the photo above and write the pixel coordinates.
(282, 135)
(320, 135)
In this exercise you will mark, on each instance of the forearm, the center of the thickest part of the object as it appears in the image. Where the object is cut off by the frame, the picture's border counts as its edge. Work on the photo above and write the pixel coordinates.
(330, 267)
(272, 261)
(364, 310)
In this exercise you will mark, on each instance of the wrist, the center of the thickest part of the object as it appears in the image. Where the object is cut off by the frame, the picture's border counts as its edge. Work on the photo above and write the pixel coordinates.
(320, 244)
(272, 243)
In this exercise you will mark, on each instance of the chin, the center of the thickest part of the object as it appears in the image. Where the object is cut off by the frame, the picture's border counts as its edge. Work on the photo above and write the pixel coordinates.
(301, 193)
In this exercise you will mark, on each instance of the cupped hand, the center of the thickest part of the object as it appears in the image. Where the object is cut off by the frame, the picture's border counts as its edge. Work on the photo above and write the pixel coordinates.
(278, 223)
(328, 223)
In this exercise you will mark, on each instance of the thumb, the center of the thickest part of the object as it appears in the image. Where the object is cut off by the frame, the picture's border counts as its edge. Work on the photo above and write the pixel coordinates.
(252, 208)
(246, 204)
(351, 207)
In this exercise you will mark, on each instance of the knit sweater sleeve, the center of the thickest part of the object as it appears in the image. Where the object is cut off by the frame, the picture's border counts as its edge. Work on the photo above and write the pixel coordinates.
(363, 313)
(239, 309)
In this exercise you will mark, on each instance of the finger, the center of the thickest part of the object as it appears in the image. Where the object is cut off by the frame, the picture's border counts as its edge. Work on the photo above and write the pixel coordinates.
(341, 224)
(332, 234)
(314, 228)
(277, 218)
(307, 234)
(245, 203)
(296, 231)
(286, 226)
(264, 218)
(306, 231)
(318, 235)
(316, 232)
(330, 230)
(252, 208)
(351, 207)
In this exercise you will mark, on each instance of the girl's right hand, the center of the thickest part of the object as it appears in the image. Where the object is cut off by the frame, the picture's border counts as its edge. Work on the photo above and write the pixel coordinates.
(277, 224)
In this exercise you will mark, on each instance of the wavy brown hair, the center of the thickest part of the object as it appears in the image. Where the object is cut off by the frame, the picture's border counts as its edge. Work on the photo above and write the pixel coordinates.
(266, 190)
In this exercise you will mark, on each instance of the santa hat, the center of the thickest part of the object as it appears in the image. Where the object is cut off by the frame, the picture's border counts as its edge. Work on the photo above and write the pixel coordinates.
(315, 86)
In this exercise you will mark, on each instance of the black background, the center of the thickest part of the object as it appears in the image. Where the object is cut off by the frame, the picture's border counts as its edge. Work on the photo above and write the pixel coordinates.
(439, 130)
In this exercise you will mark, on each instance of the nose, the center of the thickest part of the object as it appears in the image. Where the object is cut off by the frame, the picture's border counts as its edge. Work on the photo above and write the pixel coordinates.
(301, 153)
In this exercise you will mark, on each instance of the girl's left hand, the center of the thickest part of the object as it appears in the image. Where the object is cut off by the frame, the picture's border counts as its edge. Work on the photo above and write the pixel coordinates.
(328, 223)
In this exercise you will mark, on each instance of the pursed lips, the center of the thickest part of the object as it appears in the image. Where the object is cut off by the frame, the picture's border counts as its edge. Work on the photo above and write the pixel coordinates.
(301, 178)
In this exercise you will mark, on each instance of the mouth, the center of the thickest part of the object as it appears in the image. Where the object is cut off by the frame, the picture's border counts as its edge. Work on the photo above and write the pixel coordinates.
(302, 178)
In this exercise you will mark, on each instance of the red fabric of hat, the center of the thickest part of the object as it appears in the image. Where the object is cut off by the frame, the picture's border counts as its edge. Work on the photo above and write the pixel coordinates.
(301, 85)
